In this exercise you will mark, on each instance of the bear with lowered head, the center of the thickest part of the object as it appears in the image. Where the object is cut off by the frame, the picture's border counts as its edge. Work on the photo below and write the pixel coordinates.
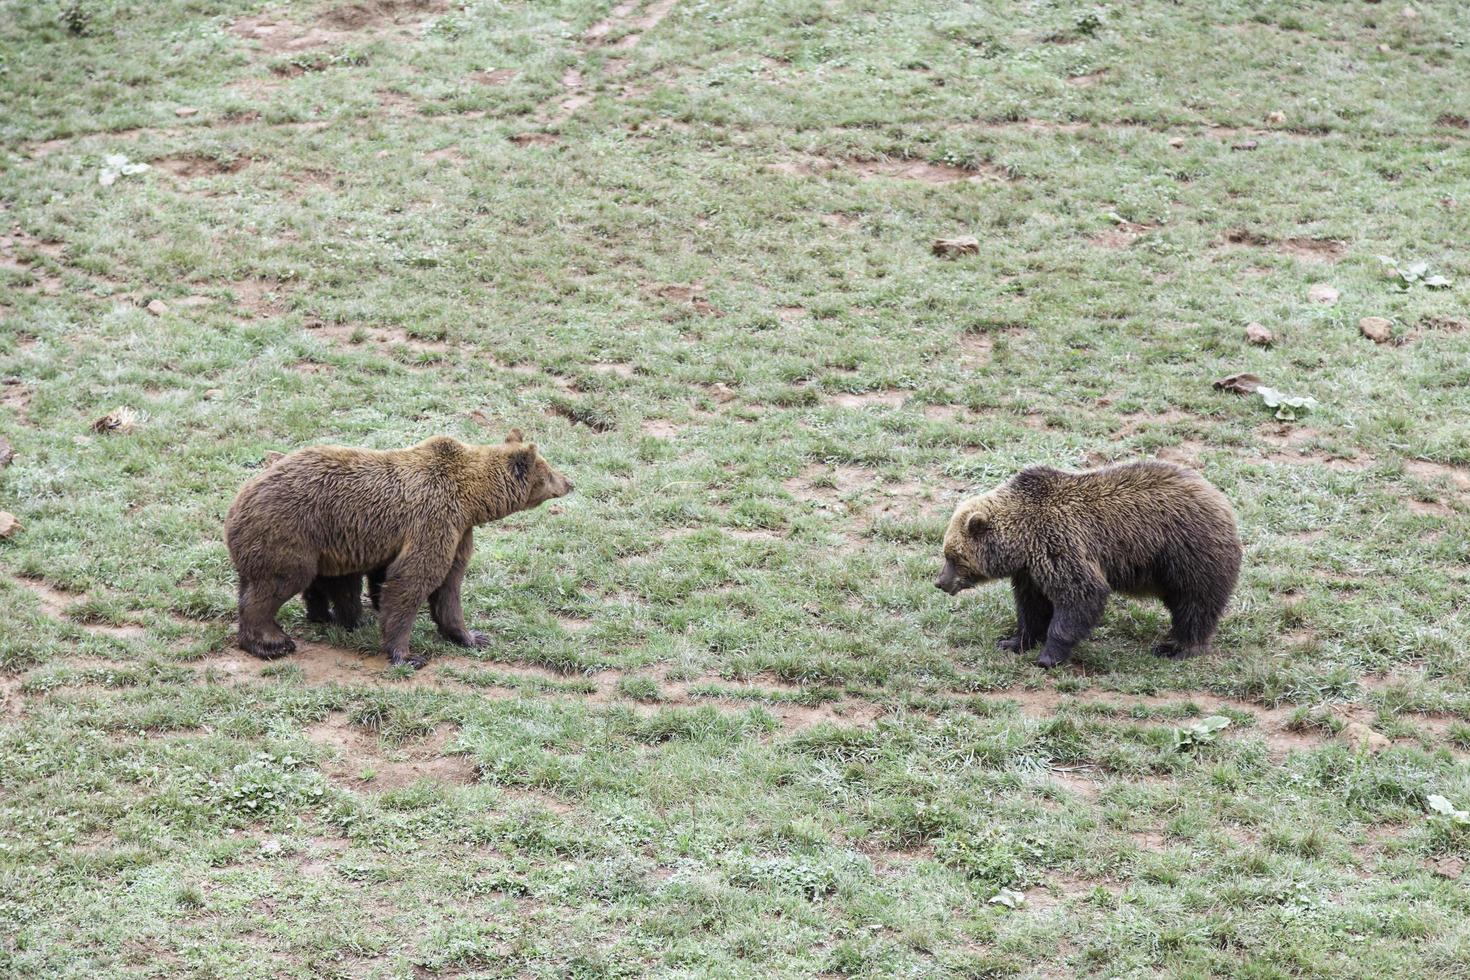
(1067, 541)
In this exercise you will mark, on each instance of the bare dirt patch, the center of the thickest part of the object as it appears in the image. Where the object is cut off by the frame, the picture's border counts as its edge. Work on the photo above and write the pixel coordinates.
(754, 534)
(921, 171)
(691, 295)
(944, 413)
(15, 395)
(56, 604)
(1431, 472)
(385, 338)
(494, 77)
(260, 297)
(198, 166)
(1138, 422)
(367, 14)
(323, 664)
(661, 428)
(361, 760)
(271, 34)
(977, 345)
(926, 172)
(616, 368)
(1314, 249)
(867, 399)
(1292, 443)
(823, 484)
(1122, 235)
(1448, 324)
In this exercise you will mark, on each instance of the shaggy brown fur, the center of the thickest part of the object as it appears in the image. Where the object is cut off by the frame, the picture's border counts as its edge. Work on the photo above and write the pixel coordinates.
(1067, 540)
(319, 519)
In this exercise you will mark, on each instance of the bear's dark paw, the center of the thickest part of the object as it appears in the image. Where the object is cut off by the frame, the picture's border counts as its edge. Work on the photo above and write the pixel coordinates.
(1010, 644)
(1170, 650)
(1050, 658)
(317, 616)
(350, 621)
(468, 638)
(269, 649)
(400, 657)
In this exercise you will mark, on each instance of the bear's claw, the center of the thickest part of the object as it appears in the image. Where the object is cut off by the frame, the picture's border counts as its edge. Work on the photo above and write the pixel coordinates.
(269, 649)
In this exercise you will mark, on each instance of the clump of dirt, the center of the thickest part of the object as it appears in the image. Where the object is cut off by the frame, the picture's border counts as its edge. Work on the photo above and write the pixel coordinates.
(120, 421)
(1088, 80)
(950, 248)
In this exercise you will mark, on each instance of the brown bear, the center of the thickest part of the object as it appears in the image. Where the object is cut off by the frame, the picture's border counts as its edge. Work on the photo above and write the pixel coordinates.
(319, 519)
(1067, 540)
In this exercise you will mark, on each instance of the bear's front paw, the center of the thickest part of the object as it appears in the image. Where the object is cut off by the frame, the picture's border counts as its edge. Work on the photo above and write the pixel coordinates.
(1010, 644)
(1051, 658)
(466, 638)
(1174, 651)
(269, 649)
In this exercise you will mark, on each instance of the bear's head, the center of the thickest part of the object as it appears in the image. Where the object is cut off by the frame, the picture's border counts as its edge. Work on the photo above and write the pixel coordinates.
(531, 470)
(977, 548)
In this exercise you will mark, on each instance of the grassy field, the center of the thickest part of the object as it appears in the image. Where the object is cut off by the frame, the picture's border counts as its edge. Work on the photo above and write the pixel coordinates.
(726, 726)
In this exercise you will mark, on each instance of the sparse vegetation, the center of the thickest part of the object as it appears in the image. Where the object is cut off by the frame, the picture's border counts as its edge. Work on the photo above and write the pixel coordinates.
(726, 726)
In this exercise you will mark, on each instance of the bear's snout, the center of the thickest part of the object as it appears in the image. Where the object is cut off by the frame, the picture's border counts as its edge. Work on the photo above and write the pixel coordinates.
(949, 579)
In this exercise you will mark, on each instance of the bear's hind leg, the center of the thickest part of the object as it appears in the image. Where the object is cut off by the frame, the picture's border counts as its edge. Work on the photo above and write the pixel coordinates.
(1194, 622)
(375, 585)
(345, 595)
(260, 599)
(317, 597)
(412, 576)
(444, 602)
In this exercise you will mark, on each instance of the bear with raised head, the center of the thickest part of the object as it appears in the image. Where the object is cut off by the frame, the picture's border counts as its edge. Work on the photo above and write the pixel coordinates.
(1068, 540)
(319, 519)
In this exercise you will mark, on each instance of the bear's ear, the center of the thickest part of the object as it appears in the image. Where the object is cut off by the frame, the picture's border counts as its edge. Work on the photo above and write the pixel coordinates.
(521, 461)
(976, 525)
(514, 437)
